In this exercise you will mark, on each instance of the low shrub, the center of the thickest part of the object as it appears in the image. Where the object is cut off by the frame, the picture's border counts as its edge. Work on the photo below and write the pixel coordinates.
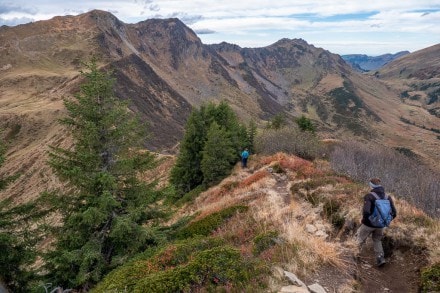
(190, 196)
(264, 241)
(212, 269)
(231, 185)
(430, 279)
(208, 224)
(154, 260)
(276, 168)
(193, 265)
(257, 176)
(332, 211)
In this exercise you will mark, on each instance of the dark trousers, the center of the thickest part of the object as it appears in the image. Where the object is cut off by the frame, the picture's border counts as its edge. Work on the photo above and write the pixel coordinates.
(244, 162)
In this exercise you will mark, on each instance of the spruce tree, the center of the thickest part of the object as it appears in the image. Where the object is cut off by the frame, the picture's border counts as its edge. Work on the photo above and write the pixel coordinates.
(187, 172)
(104, 205)
(218, 154)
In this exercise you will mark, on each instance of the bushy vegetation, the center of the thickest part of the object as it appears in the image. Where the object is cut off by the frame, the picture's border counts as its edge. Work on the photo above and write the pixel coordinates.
(407, 178)
(430, 279)
(305, 124)
(290, 140)
(264, 241)
(208, 151)
(186, 266)
(208, 224)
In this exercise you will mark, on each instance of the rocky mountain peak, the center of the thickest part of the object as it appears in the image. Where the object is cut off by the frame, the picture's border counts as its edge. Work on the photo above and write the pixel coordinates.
(102, 19)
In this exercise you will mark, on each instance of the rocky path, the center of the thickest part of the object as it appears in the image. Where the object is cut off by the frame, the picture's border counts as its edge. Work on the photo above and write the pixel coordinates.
(399, 275)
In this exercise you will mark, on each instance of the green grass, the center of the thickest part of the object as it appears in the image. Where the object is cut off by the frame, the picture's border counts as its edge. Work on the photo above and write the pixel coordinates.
(197, 264)
(430, 279)
(264, 241)
(207, 225)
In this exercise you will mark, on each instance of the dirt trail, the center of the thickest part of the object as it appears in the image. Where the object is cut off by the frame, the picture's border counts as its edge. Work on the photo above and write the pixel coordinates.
(400, 274)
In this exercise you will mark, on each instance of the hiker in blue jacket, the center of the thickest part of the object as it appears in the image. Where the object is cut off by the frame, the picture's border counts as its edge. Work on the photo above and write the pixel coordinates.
(367, 227)
(244, 158)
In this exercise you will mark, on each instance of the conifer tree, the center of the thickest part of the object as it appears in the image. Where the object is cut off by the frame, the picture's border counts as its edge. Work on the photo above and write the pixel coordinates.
(305, 124)
(187, 173)
(218, 154)
(106, 205)
(16, 243)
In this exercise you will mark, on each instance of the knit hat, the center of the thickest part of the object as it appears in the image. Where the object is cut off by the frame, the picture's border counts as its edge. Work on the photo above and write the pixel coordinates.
(374, 182)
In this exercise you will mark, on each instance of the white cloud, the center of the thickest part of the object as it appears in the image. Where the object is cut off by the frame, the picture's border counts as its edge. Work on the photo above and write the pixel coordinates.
(408, 24)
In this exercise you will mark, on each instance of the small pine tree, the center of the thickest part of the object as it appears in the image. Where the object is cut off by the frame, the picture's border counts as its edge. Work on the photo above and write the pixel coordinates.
(218, 155)
(105, 205)
(305, 124)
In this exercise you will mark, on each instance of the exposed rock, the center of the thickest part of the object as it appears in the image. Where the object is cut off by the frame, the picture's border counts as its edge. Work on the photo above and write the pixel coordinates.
(294, 279)
(316, 288)
(310, 228)
(322, 234)
(293, 289)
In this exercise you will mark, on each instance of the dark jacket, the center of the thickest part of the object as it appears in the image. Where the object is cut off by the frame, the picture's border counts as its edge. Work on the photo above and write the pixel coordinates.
(368, 208)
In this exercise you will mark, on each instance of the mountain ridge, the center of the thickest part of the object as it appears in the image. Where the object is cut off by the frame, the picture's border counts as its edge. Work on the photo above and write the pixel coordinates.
(163, 69)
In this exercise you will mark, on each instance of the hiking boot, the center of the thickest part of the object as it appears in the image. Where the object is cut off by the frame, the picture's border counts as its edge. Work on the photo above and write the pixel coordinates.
(380, 261)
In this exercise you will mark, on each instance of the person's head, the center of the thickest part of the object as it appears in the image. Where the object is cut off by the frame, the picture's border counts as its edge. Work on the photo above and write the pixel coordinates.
(374, 182)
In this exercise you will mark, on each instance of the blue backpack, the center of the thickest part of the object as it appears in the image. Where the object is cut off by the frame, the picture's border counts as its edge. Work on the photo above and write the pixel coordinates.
(245, 154)
(381, 216)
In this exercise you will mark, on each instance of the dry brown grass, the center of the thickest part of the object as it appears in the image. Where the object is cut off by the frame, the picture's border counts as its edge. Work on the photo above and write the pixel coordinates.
(268, 211)
(257, 176)
(416, 227)
(271, 208)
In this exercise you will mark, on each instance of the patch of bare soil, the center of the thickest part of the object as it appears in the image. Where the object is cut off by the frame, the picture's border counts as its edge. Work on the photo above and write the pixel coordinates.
(400, 273)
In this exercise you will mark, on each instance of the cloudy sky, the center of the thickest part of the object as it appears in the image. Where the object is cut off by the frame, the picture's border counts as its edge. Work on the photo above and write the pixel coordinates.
(370, 27)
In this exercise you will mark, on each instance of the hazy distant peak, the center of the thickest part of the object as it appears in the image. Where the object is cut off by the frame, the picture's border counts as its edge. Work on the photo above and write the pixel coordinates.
(362, 62)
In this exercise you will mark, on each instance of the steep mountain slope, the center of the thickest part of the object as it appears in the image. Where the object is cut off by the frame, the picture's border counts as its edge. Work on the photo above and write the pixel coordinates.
(418, 77)
(364, 63)
(162, 67)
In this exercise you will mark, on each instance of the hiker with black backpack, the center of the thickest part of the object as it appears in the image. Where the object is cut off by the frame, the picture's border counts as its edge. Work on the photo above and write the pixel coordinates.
(377, 213)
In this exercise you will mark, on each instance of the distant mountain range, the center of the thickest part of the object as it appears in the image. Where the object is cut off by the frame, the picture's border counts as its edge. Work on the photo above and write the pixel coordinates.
(163, 69)
(365, 63)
